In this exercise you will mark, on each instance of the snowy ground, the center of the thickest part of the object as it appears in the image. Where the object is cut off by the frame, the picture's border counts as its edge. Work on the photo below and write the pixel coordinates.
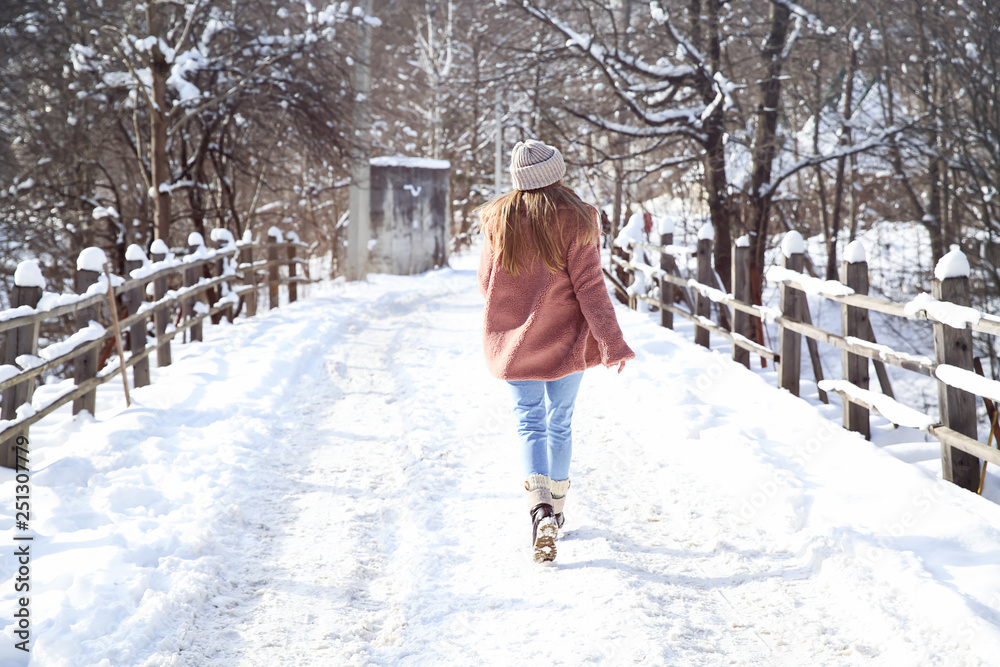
(333, 484)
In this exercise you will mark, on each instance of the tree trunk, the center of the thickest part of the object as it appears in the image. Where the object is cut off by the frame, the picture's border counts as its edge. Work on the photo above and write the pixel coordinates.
(764, 147)
(158, 121)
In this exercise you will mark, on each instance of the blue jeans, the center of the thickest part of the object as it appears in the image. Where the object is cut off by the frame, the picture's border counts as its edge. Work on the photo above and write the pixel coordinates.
(544, 411)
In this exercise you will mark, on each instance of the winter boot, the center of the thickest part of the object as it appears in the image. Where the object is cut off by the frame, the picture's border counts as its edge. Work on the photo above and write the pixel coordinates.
(559, 490)
(543, 523)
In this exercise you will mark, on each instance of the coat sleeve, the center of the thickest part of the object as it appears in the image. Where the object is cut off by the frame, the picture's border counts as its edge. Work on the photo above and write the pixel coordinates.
(583, 262)
(485, 267)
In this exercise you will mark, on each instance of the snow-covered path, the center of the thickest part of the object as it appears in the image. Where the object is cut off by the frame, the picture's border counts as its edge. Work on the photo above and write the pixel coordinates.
(358, 501)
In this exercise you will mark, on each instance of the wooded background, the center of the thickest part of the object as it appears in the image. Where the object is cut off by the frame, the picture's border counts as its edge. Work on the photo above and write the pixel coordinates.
(122, 122)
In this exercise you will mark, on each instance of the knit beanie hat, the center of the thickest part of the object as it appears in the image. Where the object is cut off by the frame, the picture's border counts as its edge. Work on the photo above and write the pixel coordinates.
(534, 165)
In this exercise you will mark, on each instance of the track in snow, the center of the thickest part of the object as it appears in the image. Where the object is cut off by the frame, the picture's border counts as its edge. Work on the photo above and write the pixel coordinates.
(393, 532)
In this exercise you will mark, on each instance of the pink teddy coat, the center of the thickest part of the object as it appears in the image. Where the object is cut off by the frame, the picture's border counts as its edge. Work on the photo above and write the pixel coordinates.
(544, 326)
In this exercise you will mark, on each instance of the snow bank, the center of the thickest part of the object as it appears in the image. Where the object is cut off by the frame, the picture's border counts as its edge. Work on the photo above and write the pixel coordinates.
(391, 525)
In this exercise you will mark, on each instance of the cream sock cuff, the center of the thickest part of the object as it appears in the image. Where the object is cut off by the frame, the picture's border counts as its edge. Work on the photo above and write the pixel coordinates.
(537, 487)
(559, 490)
(537, 482)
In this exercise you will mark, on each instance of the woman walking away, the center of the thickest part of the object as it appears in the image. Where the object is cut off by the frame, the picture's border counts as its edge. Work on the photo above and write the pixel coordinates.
(548, 318)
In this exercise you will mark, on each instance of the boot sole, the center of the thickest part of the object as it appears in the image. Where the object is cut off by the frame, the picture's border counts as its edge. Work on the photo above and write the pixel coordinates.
(545, 541)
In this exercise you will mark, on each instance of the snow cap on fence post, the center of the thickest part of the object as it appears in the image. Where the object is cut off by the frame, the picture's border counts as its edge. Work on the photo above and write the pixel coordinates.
(293, 237)
(792, 244)
(159, 247)
(195, 239)
(275, 233)
(706, 232)
(223, 237)
(953, 265)
(631, 233)
(855, 253)
(135, 253)
(91, 259)
(29, 274)
(743, 241)
(666, 225)
(247, 236)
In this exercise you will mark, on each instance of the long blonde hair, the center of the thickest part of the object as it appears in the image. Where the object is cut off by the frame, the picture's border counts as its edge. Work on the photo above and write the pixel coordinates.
(511, 219)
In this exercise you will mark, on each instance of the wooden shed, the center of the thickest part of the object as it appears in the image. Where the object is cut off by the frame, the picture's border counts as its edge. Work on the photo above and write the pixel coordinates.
(409, 214)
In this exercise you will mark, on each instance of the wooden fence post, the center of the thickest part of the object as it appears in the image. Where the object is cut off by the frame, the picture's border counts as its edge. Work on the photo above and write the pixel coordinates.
(223, 239)
(703, 308)
(134, 259)
(245, 258)
(85, 365)
(27, 291)
(159, 252)
(196, 242)
(293, 291)
(789, 342)
(854, 322)
(954, 347)
(633, 299)
(667, 266)
(741, 292)
(272, 267)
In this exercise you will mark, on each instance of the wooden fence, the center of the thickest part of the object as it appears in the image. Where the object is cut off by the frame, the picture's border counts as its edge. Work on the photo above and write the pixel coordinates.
(958, 375)
(182, 290)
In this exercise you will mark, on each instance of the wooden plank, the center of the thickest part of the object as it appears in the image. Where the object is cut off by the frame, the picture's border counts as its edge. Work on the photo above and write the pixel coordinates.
(272, 273)
(958, 408)
(813, 348)
(854, 322)
(667, 266)
(22, 340)
(91, 301)
(132, 299)
(291, 281)
(789, 341)
(843, 344)
(880, 372)
(703, 305)
(741, 341)
(160, 316)
(741, 292)
(85, 364)
(971, 447)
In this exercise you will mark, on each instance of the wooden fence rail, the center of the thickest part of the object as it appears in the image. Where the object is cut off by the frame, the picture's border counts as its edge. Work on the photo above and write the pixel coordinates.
(181, 289)
(947, 308)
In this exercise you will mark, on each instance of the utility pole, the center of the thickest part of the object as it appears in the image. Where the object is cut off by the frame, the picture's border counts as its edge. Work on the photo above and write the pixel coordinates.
(498, 147)
(359, 229)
